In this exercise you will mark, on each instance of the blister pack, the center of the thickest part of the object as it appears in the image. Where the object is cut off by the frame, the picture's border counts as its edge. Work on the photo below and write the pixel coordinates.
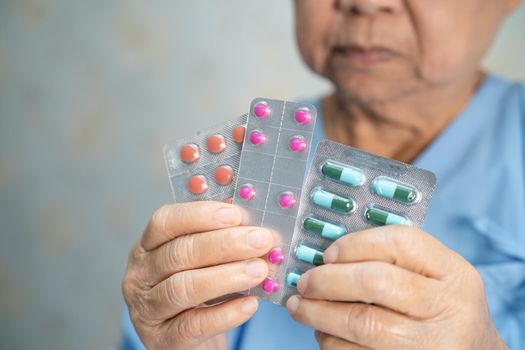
(204, 166)
(349, 190)
(271, 175)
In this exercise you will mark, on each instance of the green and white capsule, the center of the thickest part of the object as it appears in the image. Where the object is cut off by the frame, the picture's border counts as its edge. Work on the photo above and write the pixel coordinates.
(309, 255)
(382, 217)
(324, 229)
(388, 188)
(292, 278)
(344, 174)
(332, 201)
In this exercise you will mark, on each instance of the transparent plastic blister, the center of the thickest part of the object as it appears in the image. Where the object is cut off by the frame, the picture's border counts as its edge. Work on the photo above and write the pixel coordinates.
(271, 176)
(358, 189)
(204, 166)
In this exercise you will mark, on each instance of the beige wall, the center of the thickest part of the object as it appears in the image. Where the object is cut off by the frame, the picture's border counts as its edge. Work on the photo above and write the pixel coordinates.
(89, 92)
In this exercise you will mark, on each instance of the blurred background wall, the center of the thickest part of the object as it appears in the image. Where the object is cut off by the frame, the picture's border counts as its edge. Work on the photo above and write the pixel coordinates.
(89, 92)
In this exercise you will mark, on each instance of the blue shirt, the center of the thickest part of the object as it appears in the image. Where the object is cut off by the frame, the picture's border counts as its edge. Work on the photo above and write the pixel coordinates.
(478, 210)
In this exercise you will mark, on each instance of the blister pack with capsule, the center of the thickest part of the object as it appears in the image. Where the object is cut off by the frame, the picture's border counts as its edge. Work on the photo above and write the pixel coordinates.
(349, 190)
(271, 175)
(204, 166)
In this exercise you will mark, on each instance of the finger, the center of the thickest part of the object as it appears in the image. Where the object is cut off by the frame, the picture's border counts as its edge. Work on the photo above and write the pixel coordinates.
(191, 288)
(193, 326)
(329, 342)
(374, 283)
(206, 249)
(175, 220)
(363, 324)
(406, 246)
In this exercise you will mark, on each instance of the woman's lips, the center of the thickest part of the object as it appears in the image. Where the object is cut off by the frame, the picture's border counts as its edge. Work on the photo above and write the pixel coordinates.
(363, 57)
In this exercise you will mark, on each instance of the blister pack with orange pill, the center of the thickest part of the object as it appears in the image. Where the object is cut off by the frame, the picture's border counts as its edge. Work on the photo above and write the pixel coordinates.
(204, 166)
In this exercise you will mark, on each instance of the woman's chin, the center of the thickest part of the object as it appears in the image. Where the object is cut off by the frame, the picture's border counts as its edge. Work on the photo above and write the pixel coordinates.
(371, 89)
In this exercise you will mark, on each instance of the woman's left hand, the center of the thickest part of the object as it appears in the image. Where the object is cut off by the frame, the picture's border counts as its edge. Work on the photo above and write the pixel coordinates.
(394, 287)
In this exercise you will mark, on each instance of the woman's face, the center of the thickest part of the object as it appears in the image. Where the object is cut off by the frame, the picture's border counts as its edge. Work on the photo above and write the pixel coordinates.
(377, 50)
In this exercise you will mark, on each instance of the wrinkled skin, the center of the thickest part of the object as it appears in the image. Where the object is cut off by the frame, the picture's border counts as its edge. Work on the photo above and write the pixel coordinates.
(394, 287)
(402, 70)
(421, 44)
(191, 253)
(390, 61)
(398, 68)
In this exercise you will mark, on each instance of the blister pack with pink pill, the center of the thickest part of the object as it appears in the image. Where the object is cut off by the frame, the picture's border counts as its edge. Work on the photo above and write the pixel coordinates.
(204, 166)
(348, 190)
(271, 175)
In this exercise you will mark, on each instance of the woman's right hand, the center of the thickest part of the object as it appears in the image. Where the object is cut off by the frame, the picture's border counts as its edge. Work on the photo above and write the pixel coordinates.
(191, 253)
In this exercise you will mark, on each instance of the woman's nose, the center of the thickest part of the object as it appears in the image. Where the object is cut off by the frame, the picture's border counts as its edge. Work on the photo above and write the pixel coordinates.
(368, 7)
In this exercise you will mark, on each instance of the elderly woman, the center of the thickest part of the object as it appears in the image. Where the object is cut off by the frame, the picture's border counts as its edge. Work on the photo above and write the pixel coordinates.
(407, 85)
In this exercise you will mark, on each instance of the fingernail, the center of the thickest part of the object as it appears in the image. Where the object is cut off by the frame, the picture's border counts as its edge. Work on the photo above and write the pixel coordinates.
(292, 304)
(302, 284)
(330, 255)
(227, 215)
(249, 306)
(258, 239)
(256, 269)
